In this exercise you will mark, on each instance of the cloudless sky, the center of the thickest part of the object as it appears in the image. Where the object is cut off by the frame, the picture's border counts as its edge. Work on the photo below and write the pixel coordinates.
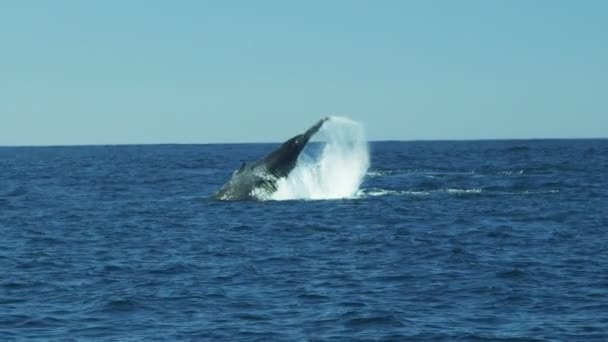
(142, 71)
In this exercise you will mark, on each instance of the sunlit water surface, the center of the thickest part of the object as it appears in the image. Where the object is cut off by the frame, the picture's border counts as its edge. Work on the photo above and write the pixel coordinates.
(488, 240)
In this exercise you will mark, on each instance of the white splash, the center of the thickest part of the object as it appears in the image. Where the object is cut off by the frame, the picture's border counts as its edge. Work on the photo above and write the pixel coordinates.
(336, 172)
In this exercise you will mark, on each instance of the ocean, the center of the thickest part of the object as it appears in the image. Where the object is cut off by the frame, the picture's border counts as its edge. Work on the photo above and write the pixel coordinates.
(442, 241)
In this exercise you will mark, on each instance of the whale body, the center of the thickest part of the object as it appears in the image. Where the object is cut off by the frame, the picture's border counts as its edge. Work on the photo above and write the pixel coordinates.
(260, 177)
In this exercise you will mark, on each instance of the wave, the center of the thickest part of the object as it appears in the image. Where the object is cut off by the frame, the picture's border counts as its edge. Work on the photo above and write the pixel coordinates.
(446, 172)
(331, 168)
(463, 191)
(385, 192)
(374, 192)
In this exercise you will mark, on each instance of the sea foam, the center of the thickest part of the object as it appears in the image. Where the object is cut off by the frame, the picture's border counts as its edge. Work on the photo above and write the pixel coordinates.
(331, 167)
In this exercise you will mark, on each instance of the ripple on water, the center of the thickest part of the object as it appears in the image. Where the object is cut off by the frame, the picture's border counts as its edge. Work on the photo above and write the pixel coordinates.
(121, 305)
(122, 251)
(515, 273)
(374, 321)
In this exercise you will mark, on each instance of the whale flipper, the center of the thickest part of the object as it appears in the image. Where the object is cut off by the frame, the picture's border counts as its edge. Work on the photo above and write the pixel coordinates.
(263, 174)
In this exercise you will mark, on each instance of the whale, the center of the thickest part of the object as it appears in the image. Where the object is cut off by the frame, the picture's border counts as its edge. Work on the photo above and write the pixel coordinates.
(259, 178)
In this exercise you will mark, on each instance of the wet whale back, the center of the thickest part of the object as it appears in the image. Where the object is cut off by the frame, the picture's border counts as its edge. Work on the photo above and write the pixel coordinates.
(264, 173)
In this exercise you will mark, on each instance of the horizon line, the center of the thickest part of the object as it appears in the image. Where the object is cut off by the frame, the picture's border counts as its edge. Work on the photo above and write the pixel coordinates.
(279, 142)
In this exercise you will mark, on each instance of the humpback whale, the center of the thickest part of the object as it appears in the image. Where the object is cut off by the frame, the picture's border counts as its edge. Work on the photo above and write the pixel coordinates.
(261, 176)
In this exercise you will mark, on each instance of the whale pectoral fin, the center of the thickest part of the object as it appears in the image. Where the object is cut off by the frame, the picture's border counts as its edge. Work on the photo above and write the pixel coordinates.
(314, 129)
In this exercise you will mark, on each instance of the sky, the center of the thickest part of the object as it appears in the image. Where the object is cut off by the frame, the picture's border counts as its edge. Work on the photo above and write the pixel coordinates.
(143, 71)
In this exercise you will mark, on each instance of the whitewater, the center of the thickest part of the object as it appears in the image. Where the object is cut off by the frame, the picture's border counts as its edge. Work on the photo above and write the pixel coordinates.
(332, 166)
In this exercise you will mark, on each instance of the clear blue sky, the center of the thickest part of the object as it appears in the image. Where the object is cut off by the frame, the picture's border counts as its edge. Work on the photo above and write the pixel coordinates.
(98, 72)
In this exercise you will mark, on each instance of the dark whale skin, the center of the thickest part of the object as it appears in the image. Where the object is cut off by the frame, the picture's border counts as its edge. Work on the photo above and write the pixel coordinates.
(263, 174)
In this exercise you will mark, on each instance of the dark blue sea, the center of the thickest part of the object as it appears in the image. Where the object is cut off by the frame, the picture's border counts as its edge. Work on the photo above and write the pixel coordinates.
(446, 241)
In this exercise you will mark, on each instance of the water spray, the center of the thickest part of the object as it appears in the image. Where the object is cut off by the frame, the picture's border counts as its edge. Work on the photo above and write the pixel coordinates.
(336, 171)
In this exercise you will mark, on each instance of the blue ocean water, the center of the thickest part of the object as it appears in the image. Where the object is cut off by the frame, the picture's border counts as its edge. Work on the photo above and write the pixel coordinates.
(449, 241)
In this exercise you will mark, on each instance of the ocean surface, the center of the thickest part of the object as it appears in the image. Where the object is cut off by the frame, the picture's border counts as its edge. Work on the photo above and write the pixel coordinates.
(444, 241)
